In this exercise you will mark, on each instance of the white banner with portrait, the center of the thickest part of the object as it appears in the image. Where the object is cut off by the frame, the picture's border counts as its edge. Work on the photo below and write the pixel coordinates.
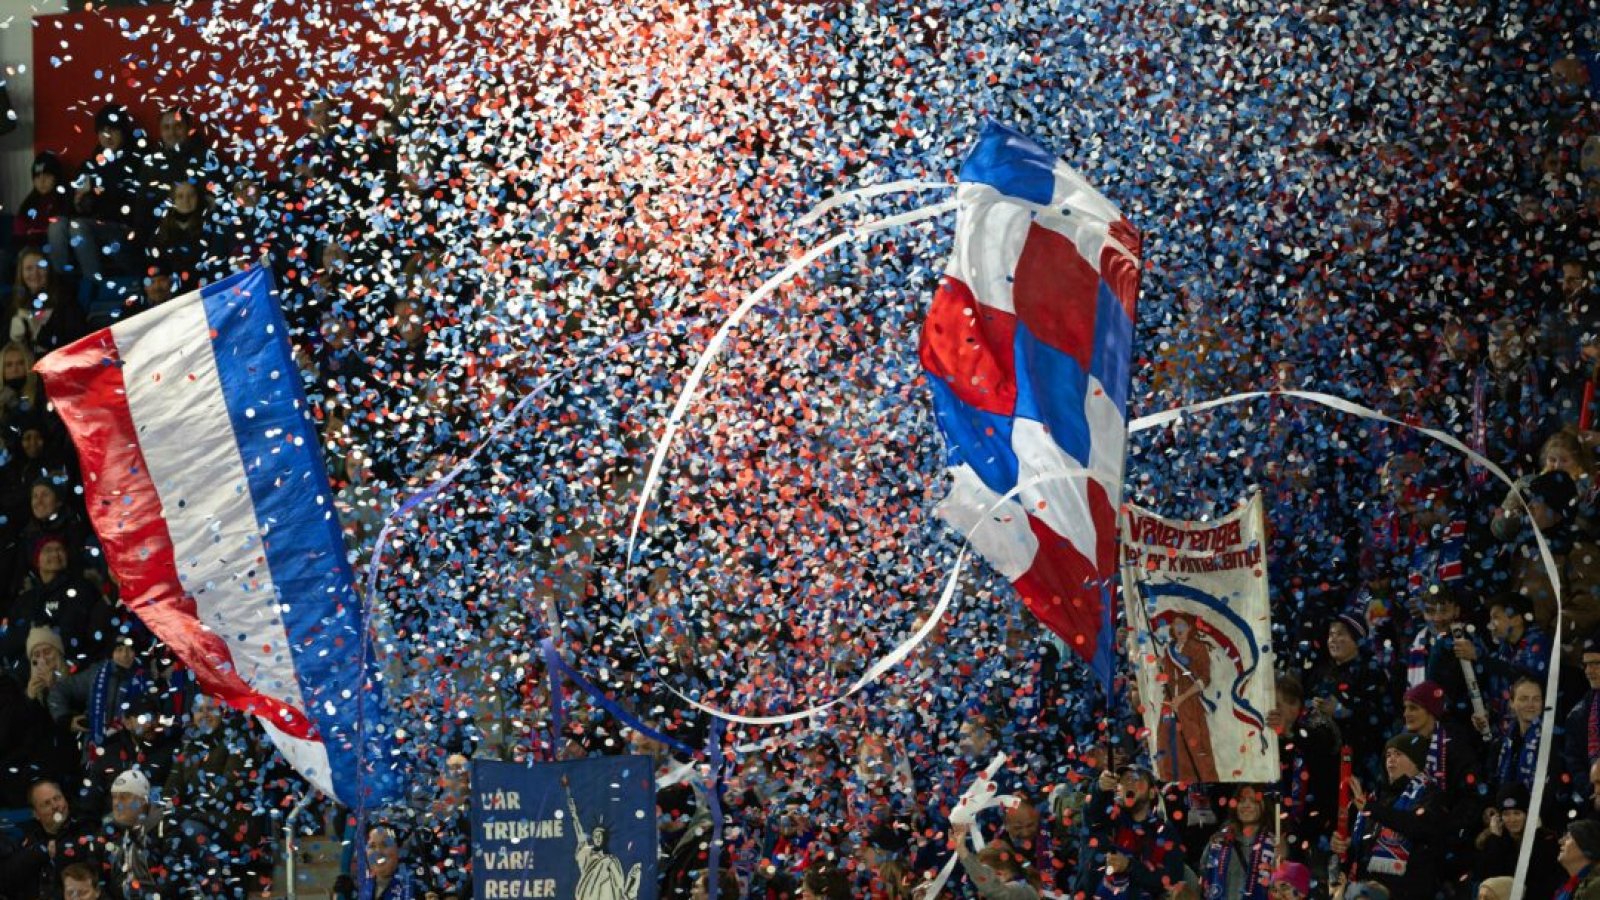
(1200, 643)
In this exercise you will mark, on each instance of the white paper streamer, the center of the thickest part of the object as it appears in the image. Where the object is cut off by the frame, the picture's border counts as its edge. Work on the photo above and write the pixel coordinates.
(894, 187)
(979, 796)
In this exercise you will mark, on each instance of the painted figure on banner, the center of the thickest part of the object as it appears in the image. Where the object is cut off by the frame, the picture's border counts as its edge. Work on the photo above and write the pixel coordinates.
(1200, 640)
(600, 874)
(1183, 742)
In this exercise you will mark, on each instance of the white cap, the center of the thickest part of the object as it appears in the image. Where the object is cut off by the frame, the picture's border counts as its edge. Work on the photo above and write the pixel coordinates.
(133, 782)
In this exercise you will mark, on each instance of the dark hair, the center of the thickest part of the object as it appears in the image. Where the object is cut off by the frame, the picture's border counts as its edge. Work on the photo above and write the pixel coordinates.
(114, 117)
(1514, 604)
(1269, 810)
(1528, 679)
(182, 112)
(1289, 688)
(1006, 861)
(1438, 596)
(35, 786)
(48, 163)
(54, 293)
(990, 726)
(80, 871)
(727, 883)
(825, 880)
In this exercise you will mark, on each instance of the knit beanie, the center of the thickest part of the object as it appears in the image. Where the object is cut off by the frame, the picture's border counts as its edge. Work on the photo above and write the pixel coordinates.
(41, 543)
(1586, 834)
(1499, 887)
(1295, 875)
(1414, 746)
(39, 635)
(1428, 695)
(1513, 796)
(1355, 623)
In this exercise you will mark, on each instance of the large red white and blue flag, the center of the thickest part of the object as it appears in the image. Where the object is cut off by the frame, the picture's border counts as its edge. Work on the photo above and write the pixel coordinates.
(204, 479)
(1026, 347)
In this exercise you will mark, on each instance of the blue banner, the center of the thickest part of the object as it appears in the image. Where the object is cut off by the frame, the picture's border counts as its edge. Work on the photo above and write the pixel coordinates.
(584, 829)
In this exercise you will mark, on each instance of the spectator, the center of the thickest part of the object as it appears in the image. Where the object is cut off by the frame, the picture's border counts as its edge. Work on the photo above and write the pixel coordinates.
(1500, 842)
(392, 878)
(1569, 339)
(1513, 407)
(1551, 502)
(21, 392)
(151, 855)
(93, 701)
(1580, 747)
(54, 840)
(1308, 755)
(1515, 755)
(1239, 859)
(179, 157)
(1452, 756)
(80, 881)
(1580, 850)
(32, 745)
(20, 756)
(1433, 656)
(38, 455)
(1496, 888)
(41, 314)
(47, 662)
(182, 238)
(53, 515)
(997, 871)
(44, 205)
(1521, 650)
(56, 598)
(1133, 844)
(727, 886)
(105, 200)
(823, 881)
(1399, 835)
(1353, 692)
(1032, 842)
(212, 767)
(445, 852)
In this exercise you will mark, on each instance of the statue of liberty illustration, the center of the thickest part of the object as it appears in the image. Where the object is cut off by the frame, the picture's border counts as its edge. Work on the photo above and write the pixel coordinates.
(599, 871)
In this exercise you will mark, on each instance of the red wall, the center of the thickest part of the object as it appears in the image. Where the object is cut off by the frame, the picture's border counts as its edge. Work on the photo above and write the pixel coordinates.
(244, 88)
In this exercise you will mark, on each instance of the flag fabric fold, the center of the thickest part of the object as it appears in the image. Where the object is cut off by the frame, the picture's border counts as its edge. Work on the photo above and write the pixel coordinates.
(1026, 347)
(204, 480)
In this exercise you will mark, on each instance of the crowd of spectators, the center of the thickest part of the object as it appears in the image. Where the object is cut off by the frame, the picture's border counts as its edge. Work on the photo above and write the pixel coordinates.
(1460, 293)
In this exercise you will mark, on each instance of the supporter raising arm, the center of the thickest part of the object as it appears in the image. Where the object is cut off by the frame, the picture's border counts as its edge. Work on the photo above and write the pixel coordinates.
(1138, 852)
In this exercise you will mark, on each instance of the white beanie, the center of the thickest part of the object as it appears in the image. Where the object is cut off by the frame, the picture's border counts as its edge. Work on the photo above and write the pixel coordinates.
(132, 782)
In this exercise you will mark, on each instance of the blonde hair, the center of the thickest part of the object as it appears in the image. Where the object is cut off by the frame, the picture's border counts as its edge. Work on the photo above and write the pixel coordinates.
(892, 877)
(1000, 856)
(1499, 886)
(1567, 439)
(21, 297)
(32, 391)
